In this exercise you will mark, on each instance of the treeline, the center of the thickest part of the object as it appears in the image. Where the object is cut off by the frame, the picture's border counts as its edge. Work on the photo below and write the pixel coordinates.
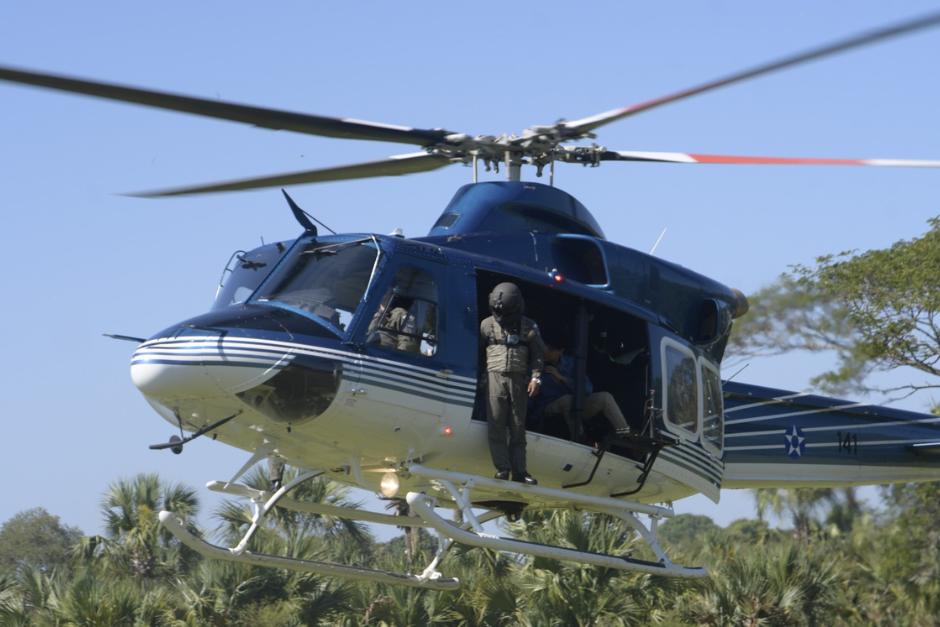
(840, 564)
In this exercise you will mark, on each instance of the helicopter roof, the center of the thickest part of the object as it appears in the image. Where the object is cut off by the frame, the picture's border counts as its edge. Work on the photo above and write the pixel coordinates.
(515, 206)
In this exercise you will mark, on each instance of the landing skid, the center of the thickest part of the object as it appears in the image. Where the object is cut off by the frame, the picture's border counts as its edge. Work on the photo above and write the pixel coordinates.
(329, 569)
(263, 502)
(467, 496)
(448, 482)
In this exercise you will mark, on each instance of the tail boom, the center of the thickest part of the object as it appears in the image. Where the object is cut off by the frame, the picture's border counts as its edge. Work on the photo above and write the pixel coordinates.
(775, 438)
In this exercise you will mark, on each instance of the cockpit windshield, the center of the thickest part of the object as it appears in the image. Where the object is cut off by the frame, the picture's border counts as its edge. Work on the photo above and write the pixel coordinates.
(325, 279)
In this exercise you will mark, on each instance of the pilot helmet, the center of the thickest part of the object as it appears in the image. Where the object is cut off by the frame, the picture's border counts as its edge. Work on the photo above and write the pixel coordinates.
(506, 303)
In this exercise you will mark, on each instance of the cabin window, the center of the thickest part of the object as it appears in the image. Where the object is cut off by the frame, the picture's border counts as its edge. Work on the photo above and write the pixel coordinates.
(580, 259)
(680, 378)
(712, 416)
(446, 221)
(406, 320)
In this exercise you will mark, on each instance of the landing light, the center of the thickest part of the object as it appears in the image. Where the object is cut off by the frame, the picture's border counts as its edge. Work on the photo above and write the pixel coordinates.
(389, 485)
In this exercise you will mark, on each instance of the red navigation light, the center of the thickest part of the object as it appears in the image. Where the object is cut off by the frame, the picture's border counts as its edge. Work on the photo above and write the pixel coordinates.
(558, 277)
(447, 431)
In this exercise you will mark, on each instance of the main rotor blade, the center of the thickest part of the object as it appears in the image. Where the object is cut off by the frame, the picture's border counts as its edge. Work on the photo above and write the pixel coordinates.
(577, 127)
(683, 157)
(392, 166)
(258, 116)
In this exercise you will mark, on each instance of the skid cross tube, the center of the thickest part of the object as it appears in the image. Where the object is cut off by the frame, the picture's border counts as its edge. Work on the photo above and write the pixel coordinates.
(261, 509)
(322, 509)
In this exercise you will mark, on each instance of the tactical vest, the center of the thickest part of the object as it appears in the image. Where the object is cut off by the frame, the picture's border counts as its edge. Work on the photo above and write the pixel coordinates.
(512, 352)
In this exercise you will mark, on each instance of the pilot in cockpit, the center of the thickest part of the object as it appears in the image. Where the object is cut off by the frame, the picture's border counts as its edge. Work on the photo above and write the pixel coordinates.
(395, 326)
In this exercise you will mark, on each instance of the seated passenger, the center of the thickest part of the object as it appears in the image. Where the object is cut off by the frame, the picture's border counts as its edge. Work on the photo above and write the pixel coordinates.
(557, 393)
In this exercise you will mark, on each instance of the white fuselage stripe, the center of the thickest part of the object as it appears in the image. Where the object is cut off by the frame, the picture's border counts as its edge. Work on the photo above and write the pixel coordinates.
(834, 408)
(312, 350)
(861, 443)
(852, 427)
(224, 351)
(779, 399)
(197, 359)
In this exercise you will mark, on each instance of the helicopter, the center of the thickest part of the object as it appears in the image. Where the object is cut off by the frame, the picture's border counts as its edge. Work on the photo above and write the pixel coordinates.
(288, 364)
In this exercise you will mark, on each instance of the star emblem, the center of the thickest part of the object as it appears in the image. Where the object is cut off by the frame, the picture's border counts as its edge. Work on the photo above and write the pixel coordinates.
(795, 442)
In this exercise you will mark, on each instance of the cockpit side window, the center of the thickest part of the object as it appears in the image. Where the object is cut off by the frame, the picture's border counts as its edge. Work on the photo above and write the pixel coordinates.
(406, 320)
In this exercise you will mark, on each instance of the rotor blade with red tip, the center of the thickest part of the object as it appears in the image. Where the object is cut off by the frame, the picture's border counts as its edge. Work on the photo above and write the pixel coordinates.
(258, 116)
(584, 125)
(683, 157)
(392, 166)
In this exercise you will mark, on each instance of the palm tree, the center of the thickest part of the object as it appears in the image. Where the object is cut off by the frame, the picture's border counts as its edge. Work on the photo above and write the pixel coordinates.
(88, 600)
(31, 597)
(567, 593)
(134, 542)
(801, 505)
(12, 610)
(400, 507)
(489, 593)
(784, 584)
(341, 538)
(270, 596)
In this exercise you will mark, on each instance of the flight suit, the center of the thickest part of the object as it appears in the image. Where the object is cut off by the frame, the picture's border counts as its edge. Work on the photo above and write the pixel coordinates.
(398, 331)
(510, 355)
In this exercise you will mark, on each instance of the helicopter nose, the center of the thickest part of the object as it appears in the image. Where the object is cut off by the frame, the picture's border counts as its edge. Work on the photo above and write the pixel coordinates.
(180, 368)
(285, 382)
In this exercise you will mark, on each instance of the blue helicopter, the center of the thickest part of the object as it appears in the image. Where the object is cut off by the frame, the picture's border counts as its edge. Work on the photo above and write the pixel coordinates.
(297, 362)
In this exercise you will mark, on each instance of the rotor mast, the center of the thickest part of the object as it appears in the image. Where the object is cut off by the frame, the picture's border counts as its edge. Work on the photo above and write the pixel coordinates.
(513, 166)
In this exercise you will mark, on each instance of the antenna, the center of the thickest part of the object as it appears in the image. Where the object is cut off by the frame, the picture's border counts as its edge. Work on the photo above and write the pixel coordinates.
(739, 371)
(658, 240)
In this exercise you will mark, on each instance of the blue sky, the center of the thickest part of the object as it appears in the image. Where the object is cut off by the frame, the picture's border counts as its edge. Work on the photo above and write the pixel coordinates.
(81, 259)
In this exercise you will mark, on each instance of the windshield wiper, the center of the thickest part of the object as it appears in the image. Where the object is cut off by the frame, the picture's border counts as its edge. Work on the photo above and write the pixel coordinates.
(248, 264)
(321, 252)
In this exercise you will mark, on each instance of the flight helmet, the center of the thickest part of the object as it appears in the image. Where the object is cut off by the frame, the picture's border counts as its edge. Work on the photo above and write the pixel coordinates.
(506, 303)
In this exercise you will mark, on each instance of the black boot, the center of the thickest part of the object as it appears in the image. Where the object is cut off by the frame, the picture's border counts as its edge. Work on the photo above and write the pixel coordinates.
(502, 475)
(525, 478)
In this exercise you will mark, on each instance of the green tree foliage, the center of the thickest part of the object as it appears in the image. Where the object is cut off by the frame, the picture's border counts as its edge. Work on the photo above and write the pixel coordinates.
(883, 569)
(36, 538)
(686, 530)
(876, 310)
(134, 542)
(777, 584)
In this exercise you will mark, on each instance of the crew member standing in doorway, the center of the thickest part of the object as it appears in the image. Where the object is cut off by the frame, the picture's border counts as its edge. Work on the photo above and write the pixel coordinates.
(513, 351)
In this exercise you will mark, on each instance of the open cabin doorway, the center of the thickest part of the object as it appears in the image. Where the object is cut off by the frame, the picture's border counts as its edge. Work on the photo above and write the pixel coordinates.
(606, 349)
